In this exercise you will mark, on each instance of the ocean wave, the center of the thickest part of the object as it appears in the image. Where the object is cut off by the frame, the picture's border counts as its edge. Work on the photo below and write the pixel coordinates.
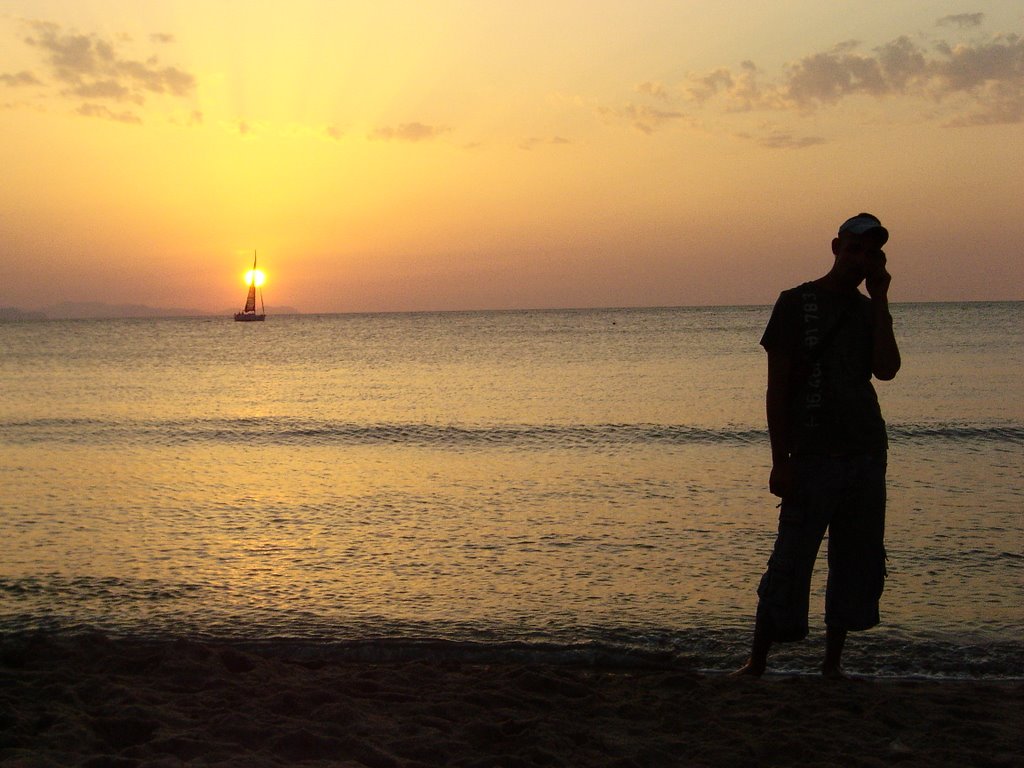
(1000, 433)
(150, 610)
(59, 587)
(287, 431)
(284, 431)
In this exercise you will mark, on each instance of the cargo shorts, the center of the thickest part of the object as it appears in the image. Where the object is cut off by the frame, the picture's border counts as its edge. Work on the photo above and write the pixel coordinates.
(844, 495)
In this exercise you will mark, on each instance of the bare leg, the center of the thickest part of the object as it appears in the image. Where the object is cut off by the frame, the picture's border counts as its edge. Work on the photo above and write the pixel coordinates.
(758, 661)
(834, 640)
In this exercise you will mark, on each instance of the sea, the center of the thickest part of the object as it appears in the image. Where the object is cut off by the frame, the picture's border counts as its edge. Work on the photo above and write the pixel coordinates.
(565, 485)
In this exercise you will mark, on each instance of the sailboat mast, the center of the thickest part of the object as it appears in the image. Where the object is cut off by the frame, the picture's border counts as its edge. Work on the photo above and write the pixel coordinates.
(263, 307)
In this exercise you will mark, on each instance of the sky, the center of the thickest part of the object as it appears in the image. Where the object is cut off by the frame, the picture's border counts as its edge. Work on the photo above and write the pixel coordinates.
(459, 154)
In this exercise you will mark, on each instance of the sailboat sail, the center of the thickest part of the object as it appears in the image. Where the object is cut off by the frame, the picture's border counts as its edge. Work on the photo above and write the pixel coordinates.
(250, 313)
(250, 301)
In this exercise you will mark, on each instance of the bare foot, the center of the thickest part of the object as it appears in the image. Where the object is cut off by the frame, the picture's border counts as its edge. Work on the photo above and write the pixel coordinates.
(833, 673)
(750, 669)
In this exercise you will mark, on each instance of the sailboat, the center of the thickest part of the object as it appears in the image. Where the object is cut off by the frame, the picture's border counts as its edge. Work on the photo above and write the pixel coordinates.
(249, 314)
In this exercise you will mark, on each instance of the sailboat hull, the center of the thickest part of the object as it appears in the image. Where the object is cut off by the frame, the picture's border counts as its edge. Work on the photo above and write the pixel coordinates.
(248, 317)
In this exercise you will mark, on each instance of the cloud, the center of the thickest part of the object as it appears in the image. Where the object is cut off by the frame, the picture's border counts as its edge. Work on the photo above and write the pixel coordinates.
(902, 64)
(990, 75)
(532, 142)
(644, 118)
(995, 101)
(786, 140)
(986, 76)
(725, 87)
(825, 78)
(741, 91)
(98, 110)
(19, 79)
(86, 66)
(106, 89)
(961, 84)
(966, 67)
(710, 85)
(961, 20)
(412, 132)
(657, 90)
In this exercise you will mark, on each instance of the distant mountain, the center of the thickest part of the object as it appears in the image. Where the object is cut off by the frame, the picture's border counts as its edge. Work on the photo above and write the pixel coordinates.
(80, 310)
(13, 313)
(97, 310)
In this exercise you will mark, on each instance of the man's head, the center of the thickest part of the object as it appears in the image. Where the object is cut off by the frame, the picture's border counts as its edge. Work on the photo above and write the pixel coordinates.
(867, 225)
(858, 247)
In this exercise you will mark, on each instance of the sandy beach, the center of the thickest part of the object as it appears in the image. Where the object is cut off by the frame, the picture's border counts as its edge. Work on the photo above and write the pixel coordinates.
(93, 701)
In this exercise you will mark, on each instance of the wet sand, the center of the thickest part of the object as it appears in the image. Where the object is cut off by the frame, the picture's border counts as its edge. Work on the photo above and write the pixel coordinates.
(91, 701)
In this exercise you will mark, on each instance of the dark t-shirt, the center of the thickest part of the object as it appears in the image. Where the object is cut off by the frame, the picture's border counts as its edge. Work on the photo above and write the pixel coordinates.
(833, 408)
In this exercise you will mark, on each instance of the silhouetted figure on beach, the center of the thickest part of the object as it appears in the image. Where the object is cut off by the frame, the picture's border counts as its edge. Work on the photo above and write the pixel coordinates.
(825, 340)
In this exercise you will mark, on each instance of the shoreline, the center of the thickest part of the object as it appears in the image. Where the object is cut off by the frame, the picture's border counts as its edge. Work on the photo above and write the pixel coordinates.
(99, 701)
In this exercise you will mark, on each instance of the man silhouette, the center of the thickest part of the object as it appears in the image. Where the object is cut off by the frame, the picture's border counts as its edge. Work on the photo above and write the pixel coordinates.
(825, 340)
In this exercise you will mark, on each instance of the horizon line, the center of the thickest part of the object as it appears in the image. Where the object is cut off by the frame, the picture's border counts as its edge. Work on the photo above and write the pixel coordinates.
(15, 314)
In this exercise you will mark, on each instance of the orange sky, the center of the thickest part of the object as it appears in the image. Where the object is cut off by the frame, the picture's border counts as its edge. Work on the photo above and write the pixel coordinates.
(463, 155)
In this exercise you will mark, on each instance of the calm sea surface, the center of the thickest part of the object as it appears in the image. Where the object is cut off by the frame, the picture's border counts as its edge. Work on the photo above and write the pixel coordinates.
(555, 480)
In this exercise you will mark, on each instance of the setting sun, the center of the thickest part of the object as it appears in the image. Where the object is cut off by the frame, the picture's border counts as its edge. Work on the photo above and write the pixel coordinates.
(255, 277)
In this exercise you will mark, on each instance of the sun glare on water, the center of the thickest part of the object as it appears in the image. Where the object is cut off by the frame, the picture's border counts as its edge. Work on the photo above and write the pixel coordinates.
(255, 276)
